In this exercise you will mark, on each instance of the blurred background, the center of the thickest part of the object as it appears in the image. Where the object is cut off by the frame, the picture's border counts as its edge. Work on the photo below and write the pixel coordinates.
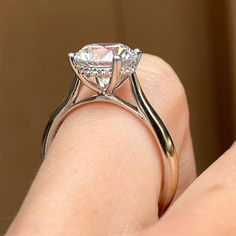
(197, 37)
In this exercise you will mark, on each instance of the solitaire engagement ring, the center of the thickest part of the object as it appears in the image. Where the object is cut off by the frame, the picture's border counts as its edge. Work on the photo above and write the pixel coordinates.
(104, 68)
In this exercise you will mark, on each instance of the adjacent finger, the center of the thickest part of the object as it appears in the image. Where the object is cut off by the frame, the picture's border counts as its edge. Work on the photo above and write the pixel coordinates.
(207, 207)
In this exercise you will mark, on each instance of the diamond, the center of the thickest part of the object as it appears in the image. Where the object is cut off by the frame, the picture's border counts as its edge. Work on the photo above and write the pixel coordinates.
(96, 60)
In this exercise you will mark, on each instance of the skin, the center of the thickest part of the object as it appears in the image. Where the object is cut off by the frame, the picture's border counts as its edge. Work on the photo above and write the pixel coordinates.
(102, 173)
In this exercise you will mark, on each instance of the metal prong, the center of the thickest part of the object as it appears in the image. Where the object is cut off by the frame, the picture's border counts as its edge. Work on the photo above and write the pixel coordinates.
(83, 78)
(139, 55)
(72, 62)
(138, 52)
(71, 59)
(116, 69)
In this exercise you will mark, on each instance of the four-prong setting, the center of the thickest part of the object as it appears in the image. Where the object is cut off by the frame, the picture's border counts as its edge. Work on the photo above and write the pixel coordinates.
(105, 67)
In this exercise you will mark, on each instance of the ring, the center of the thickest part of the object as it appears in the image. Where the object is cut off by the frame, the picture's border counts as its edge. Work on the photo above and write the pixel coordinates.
(104, 68)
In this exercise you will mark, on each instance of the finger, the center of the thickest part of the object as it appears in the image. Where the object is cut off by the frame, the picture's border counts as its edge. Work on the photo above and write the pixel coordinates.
(166, 94)
(103, 167)
(208, 205)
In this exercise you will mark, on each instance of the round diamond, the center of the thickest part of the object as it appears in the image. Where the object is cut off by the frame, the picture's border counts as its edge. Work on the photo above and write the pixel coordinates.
(96, 60)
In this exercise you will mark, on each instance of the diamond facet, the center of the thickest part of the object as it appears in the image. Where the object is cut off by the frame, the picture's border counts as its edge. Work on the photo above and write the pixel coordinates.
(96, 60)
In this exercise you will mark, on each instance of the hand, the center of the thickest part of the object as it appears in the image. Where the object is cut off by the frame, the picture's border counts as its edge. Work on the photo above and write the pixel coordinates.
(102, 173)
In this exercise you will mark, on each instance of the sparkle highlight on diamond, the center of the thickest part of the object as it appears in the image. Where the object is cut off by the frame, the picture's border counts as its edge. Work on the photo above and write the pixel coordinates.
(97, 59)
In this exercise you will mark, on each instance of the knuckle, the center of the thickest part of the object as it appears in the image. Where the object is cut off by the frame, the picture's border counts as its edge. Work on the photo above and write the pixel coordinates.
(161, 79)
